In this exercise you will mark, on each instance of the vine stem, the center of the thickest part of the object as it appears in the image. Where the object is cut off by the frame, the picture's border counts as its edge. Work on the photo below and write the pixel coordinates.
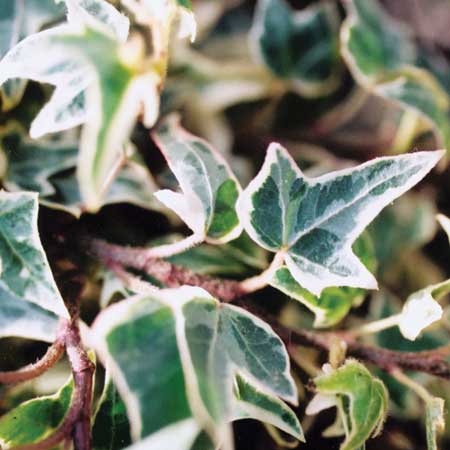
(262, 280)
(171, 275)
(411, 384)
(166, 250)
(53, 354)
(77, 420)
(432, 362)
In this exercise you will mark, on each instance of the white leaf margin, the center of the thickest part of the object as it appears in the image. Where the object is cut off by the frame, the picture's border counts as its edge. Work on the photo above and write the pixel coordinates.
(59, 308)
(174, 299)
(308, 89)
(186, 204)
(364, 278)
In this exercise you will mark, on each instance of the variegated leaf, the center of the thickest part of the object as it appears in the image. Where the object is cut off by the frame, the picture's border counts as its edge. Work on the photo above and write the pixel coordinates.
(98, 81)
(47, 166)
(383, 58)
(421, 309)
(25, 272)
(72, 76)
(19, 19)
(362, 401)
(314, 222)
(334, 303)
(300, 47)
(209, 188)
(202, 347)
(111, 428)
(34, 420)
(25, 319)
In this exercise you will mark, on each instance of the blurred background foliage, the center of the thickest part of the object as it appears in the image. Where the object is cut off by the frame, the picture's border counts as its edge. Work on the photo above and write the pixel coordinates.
(276, 71)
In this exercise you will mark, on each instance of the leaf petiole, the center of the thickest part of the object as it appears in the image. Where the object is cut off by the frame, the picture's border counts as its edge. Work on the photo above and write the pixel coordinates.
(376, 326)
(166, 250)
(260, 281)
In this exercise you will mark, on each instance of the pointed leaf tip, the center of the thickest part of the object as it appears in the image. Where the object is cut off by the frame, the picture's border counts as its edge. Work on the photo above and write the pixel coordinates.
(318, 219)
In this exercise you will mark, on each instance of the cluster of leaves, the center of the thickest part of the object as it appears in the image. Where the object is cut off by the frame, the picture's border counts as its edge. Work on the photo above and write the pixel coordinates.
(178, 363)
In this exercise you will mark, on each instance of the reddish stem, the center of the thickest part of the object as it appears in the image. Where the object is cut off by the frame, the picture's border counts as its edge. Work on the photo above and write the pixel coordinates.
(432, 362)
(53, 354)
(171, 275)
(82, 370)
(77, 420)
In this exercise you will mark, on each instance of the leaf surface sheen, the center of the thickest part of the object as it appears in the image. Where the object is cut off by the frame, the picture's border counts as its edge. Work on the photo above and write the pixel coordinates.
(25, 271)
(36, 419)
(209, 188)
(316, 221)
(190, 350)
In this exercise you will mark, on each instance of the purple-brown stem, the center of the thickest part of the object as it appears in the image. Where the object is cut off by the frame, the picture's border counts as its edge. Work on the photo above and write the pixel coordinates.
(167, 273)
(54, 352)
(116, 256)
(82, 371)
(76, 423)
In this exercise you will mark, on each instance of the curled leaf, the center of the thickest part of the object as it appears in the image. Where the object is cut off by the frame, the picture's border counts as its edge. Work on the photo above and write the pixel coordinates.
(419, 311)
(363, 401)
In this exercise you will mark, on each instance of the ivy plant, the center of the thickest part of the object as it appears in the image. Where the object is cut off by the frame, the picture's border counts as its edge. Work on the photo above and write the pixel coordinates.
(196, 213)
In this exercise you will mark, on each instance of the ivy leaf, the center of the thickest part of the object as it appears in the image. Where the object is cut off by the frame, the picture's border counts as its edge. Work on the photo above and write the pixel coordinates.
(334, 303)
(251, 403)
(35, 419)
(299, 47)
(421, 310)
(383, 58)
(314, 222)
(62, 68)
(47, 166)
(91, 62)
(25, 272)
(111, 429)
(202, 347)
(363, 401)
(16, 22)
(25, 319)
(210, 190)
